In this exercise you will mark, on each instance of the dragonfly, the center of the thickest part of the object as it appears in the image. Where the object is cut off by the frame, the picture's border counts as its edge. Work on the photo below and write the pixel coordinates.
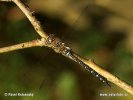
(60, 47)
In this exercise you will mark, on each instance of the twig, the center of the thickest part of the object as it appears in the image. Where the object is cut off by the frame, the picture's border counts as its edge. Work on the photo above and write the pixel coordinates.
(32, 43)
(32, 19)
(110, 77)
(25, 9)
(41, 42)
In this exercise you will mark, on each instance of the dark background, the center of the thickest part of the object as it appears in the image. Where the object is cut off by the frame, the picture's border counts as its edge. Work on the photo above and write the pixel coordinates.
(97, 29)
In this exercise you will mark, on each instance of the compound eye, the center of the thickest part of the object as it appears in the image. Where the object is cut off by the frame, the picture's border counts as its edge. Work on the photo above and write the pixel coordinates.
(49, 40)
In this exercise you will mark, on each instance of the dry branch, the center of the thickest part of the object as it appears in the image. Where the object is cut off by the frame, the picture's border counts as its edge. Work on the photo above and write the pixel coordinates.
(110, 77)
(24, 45)
(36, 24)
(32, 19)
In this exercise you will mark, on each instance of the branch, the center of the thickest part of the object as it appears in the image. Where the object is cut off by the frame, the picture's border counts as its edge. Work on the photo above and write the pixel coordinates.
(42, 42)
(32, 19)
(110, 77)
(32, 43)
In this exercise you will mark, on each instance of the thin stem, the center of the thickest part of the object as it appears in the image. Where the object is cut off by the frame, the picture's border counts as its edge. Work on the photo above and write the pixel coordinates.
(110, 77)
(32, 43)
(32, 19)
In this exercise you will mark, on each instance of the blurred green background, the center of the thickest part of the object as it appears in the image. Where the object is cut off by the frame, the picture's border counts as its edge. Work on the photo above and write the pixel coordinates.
(97, 29)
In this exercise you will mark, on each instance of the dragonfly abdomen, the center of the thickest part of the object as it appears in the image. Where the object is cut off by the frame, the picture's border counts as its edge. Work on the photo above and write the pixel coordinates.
(101, 78)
